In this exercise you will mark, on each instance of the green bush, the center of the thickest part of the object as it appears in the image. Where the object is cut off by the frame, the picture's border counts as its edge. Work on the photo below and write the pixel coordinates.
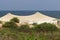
(49, 27)
(34, 24)
(0, 22)
(15, 19)
(11, 25)
(24, 28)
(45, 27)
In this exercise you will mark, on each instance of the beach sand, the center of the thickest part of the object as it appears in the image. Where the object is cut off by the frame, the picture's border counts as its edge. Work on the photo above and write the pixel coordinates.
(35, 18)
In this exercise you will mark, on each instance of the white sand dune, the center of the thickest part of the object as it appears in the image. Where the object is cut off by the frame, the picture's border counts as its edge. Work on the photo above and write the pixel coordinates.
(35, 18)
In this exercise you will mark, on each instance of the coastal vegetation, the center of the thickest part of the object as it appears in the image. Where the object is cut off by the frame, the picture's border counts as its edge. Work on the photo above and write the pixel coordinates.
(15, 19)
(45, 31)
(0, 22)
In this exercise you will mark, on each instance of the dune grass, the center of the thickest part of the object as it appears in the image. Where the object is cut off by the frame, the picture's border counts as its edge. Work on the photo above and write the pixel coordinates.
(8, 34)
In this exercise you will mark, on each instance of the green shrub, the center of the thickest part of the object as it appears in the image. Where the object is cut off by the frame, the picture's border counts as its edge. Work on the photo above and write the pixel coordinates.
(24, 28)
(45, 27)
(15, 19)
(11, 25)
(48, 26)
(34, 24)
(0, 22)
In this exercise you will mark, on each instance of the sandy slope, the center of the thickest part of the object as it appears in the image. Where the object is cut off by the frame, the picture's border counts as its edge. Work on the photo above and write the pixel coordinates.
(37, 17)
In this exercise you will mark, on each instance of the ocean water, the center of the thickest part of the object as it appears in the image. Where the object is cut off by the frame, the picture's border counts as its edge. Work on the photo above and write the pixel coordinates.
(55, 14)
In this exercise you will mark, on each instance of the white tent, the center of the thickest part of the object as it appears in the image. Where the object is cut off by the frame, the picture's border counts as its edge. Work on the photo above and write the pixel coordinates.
(35, 18)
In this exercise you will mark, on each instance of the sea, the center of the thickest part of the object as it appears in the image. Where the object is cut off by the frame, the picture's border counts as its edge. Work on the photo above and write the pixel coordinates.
(55, 14)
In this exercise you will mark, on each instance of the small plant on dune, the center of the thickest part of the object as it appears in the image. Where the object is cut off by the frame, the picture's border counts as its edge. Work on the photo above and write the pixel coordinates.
(10, 24)
(15, 19)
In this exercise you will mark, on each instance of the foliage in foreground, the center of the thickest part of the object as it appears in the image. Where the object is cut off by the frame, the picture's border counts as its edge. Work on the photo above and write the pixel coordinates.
(45, 27)
(24, 28)
(10, 24)
(8, 32)
(0, 22)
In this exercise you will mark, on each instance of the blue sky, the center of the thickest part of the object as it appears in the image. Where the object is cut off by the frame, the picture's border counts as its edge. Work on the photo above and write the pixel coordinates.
(30, 4)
